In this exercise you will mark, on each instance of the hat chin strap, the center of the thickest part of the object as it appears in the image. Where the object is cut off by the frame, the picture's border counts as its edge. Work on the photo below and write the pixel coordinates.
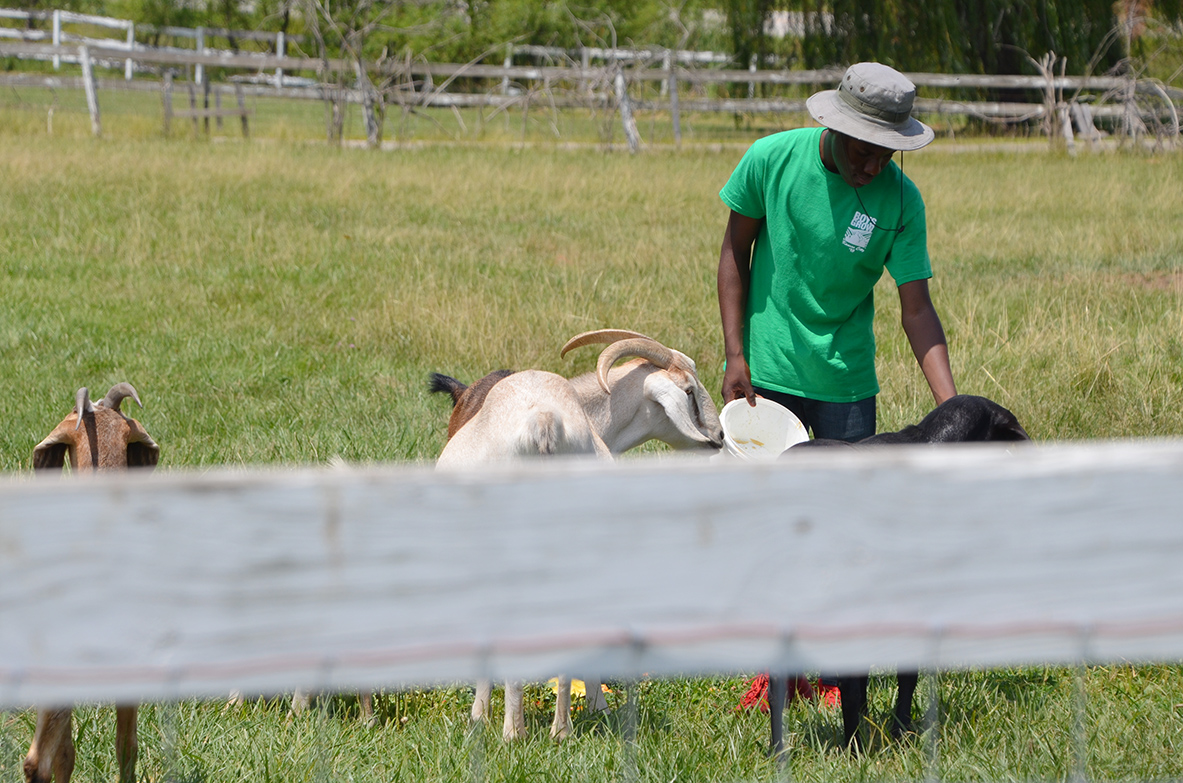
(837, 153)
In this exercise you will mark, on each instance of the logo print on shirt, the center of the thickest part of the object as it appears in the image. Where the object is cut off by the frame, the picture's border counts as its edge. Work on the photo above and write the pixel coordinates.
(859, 233)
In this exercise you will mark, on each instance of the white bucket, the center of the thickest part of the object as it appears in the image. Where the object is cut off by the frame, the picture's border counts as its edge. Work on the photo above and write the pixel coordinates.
(762, 432)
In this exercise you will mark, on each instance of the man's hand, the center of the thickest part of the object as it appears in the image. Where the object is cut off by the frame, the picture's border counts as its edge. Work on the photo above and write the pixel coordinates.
(737, 382)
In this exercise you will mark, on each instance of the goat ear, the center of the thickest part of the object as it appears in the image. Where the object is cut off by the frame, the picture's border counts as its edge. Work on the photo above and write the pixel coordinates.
(676, 403)
(50, 454)
(142, 451)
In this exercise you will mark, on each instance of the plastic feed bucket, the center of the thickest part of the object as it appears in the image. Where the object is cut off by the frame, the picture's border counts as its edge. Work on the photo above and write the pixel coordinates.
(762, 432)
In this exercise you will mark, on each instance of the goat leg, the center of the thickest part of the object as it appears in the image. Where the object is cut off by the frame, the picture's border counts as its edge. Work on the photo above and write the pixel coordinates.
(514, 726)
(906, 686)
(126, 742)
(561, 728)
(594, 697)
(301, 701)
(51, 755)
(365, 707)
(853, 691)
(778, 690)
(480, 702)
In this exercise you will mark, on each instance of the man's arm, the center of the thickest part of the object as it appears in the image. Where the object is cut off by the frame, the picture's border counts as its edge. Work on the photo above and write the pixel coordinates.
(923, 327)
(735, 267)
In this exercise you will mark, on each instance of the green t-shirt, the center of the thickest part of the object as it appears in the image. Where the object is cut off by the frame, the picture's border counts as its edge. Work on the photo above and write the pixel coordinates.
(815, 264)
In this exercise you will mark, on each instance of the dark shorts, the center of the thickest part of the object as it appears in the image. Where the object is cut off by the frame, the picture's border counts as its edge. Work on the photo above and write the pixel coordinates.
(848, 421)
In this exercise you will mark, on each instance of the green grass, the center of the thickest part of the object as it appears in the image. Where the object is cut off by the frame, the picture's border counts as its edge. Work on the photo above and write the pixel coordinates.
(282, 303)
(1002, 725)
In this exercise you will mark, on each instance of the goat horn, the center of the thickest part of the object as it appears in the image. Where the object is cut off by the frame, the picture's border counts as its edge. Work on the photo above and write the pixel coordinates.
(82, 405)
(601, 336)
(644, 347)
(117, 394)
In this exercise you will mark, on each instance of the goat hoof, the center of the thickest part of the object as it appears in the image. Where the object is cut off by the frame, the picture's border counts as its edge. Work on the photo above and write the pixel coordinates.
(902, 728)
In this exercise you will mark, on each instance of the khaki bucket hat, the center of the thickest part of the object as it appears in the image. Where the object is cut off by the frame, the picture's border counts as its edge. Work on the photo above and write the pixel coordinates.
(873, 102)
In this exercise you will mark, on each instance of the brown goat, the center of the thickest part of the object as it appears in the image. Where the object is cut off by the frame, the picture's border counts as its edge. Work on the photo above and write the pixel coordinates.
(95, 437)
(466, 400)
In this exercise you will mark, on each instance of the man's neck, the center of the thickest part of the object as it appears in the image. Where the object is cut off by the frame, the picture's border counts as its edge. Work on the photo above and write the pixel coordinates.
(825, 150)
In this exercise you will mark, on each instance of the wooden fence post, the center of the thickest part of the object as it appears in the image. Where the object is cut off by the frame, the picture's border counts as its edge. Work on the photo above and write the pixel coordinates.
(1066, 127)
(675, 117)
(280, 51)
(166, 94)
(92, 99)
(508, 64)
(626, 112)
(57, 38)
(193, 108)
(585, 65)
(246, 132)
(218, 109)
(199, 72)
(1131, 119)
(205, 104)
(129, 64)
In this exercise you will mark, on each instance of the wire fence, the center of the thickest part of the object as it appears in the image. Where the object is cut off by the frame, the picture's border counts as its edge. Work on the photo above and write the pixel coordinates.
(620, 82)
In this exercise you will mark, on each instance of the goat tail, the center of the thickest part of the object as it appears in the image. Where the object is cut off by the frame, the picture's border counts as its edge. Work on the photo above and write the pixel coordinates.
(544, 434)
(438, 382)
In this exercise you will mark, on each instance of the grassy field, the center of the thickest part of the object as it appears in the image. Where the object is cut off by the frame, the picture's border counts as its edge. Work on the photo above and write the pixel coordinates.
(282, 303)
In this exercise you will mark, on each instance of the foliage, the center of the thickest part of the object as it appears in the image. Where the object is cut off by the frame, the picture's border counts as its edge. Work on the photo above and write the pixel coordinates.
(956, 36)
(974, 36)
(746, 20)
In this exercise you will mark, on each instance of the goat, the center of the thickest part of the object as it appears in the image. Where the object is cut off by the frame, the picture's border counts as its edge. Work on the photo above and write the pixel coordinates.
(657, 396)
(94, 437)
(510, 415)
(506, 416)
(963, 418)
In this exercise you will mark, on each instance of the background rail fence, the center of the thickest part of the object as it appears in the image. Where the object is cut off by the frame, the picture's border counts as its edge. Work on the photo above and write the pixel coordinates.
(652, 80)
(181, 586)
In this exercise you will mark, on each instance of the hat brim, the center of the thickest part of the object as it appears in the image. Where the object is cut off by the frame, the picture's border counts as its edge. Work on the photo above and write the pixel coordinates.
(831, 111)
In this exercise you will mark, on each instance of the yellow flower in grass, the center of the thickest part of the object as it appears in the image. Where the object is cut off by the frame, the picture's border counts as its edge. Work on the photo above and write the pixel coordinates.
(578, 688)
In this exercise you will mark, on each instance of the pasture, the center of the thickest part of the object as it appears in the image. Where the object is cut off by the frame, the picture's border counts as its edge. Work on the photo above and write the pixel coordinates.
(281, 303)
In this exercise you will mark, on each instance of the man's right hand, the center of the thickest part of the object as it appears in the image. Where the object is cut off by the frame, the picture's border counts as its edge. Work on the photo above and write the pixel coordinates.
(737, 382)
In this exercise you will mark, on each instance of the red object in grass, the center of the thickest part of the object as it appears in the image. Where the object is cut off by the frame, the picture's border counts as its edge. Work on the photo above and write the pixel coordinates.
(829, 694)
(799, 687)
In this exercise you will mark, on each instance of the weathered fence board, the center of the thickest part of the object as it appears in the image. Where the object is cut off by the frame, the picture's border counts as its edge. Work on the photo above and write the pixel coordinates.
(176, 585)
(569, 86)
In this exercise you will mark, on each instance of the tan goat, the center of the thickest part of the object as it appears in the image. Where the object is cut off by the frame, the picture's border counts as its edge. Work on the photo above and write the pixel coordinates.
(95, 437)
(513, 415)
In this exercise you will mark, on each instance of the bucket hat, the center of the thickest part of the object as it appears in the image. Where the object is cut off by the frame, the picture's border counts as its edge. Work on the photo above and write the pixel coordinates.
(873, 102)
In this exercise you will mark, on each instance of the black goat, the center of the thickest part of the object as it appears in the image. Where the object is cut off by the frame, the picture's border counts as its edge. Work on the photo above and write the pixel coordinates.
(960, 419)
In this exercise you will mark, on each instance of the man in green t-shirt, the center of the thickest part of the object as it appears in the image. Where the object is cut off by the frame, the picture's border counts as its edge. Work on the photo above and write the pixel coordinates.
(817, 214)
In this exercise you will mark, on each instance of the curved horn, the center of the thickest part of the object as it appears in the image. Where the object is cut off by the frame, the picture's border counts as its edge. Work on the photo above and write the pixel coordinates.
(600, 336)
(117, 394)
(643, 347)
(82, 405)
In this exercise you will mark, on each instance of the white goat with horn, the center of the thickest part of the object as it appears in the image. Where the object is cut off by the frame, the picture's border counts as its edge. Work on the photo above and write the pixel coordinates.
(657, 396)
(511, 415)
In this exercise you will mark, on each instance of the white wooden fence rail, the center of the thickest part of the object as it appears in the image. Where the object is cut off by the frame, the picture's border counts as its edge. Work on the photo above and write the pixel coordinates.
(175, 585)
